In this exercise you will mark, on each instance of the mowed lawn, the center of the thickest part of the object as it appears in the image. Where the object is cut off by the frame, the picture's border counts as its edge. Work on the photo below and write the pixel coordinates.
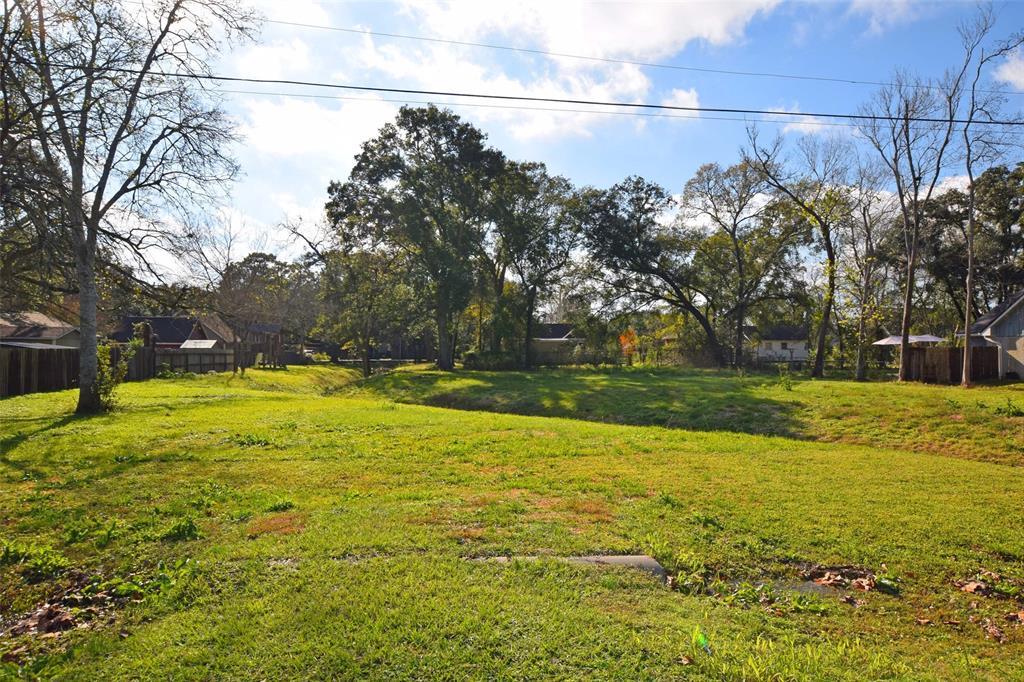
(294, 525)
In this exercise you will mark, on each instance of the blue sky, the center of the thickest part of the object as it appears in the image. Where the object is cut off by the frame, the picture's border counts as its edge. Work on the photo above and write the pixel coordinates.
(294, 145)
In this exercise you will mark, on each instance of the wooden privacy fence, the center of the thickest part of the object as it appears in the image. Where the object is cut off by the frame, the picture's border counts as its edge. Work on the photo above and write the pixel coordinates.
(33, 370)
(945, 365)
(199, 361)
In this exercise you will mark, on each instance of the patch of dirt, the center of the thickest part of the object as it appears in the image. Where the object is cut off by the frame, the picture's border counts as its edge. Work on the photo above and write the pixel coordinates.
(276, 524)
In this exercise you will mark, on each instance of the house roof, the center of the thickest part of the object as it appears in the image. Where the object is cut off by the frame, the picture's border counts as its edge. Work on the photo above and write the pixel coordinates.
(218, 327)
(992, 316)
(35, 346)
(552, 330)
(166, 328)
(265, 328)
(33, 325)
(784, 332)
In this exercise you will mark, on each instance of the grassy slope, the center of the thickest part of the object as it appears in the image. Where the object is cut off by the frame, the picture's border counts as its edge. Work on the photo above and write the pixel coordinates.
(975, 424)
(361, 571)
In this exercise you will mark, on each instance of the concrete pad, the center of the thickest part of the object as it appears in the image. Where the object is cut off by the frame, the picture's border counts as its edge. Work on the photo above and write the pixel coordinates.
(640, 562)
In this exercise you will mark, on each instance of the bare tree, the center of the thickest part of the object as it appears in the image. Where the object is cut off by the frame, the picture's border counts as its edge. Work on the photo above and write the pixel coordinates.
(126, 130)
(912, 129)
(865, 228)
(816, 183)
(982, 144)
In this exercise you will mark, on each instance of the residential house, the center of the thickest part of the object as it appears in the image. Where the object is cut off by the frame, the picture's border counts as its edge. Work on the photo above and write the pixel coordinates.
(172, 331)
(553, 343)
(36, 328)
(783, 343)
(1003, 327)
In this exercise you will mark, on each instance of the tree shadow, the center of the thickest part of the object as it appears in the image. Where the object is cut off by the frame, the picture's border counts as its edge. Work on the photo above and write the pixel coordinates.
(692, 400)
(9, 442)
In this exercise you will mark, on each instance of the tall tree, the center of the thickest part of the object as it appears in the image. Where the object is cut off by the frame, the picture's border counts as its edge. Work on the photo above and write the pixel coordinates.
(644, 258)
(422, 187)
(912, 129)
(745, 255)
(815, 182)
(981, 143)
(123, 142)
(538, 219)
(368, 296)
(865, 228)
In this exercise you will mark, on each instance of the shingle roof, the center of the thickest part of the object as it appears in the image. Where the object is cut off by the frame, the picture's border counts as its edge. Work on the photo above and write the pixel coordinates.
(986, 320)
(33, 325)
(166, 328)
(552, 330)
(784, 332)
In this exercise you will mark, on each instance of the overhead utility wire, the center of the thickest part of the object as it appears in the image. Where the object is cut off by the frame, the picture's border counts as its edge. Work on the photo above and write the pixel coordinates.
(612, 60)
(559, 100)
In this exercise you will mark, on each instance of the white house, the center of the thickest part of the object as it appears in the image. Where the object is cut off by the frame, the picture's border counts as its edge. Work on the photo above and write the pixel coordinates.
(1003, 327)
(783, 343)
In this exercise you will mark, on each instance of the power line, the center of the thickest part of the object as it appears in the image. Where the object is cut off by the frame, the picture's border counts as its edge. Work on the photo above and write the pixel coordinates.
(561, 100)
(612, 60)
(596, 112)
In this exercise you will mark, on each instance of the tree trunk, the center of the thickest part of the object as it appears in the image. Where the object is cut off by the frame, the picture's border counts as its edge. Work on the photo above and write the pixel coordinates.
(366, 357)
(826, 314)
(444, 341)
(85, 266)
(531, 300)
(908, 303)
(965, 377)
(738, 353)
(862, 364)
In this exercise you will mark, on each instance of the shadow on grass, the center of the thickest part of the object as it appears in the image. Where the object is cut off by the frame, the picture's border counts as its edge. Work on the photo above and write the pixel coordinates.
(10, 442)
(699, 401)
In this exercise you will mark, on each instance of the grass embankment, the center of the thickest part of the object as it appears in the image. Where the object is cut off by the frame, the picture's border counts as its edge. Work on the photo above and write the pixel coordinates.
(267, 529)
(984, 423)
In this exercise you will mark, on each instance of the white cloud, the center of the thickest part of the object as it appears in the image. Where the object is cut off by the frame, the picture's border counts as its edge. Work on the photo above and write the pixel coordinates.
(275, 60)
(949, 182)
(883, 15)
(803, 124)
(1011, 71)
(600, 29)
(682, 98)
(298, 11)
(294, 127)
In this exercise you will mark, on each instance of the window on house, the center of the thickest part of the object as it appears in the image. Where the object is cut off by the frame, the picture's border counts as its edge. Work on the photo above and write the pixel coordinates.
(785, 346)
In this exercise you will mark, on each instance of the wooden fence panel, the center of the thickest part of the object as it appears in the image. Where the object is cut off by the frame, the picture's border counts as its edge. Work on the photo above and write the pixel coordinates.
(945, 365)
(32, 370)
(198, 361)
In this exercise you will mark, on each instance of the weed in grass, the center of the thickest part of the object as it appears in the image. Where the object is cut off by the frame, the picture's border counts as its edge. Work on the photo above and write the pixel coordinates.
(183, 529)
(37, 562)
(1009, 409)
(280, 505)
(107, 535)
(250, 440)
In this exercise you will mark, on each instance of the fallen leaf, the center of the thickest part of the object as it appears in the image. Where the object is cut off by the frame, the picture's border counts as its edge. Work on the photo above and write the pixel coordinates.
(974, 587)
(685, 660)
(863, 584)
(14, 655)
(951, 622)
(924, 621)
(852, 601)
(1016, 617)
(993, 631)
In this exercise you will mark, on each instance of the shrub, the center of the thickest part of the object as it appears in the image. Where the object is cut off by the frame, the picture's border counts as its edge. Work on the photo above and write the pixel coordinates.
(110, 374)
(489, 360)
(37, 562)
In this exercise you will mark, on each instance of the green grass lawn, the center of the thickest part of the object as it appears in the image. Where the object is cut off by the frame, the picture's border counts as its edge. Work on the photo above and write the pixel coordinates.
(983, 423)
(285, 526)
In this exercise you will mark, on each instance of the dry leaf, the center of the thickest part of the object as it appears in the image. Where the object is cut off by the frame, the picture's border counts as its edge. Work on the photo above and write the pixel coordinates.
(924, 621)
(685, 660)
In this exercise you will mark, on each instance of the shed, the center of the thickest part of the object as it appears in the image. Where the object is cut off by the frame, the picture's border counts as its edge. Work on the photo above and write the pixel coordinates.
(783, 343)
